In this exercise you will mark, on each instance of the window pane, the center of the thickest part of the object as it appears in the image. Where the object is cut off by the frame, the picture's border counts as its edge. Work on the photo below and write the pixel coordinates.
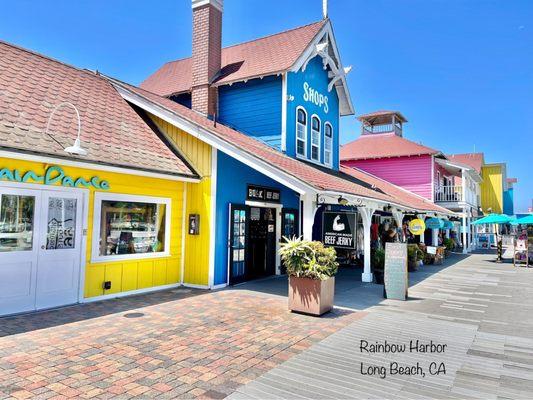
(315, 137)
(16, 222)
(314, 153)
(132, 228)
(300, 147)
(316, 124)
(301, 117)
(61, 223)
(329, 132)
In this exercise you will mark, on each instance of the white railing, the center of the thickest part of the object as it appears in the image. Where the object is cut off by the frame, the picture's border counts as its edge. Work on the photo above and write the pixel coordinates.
(453, 194)
(449, 193)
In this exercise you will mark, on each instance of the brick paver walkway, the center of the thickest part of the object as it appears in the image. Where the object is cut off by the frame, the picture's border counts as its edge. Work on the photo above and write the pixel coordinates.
(181, 343)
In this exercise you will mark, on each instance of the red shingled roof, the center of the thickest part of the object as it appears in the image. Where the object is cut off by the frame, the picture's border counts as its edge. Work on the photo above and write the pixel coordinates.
(474, 160)
(31, 85)
(359, 184)
(381, 146)
(260, 57)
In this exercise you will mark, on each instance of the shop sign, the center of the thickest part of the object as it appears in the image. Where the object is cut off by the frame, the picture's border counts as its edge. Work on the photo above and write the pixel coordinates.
(395, 275)
(417, 226)
(434, 223)
(448, 225)
(263, 194)
(338, 229)
(53, 175)
(314, 96)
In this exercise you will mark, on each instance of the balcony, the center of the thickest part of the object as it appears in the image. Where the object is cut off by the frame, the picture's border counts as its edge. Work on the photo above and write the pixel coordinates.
(455, 194)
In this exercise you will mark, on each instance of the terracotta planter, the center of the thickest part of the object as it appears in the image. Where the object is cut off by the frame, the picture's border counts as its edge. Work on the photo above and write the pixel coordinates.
(311, 296)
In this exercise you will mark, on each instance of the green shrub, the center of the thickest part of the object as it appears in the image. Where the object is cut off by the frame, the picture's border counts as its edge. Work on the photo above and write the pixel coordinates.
(308, 259)
(449, 244)
(377, 260)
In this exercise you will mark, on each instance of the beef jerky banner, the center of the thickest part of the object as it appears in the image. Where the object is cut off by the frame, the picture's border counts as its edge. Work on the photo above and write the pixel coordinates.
(338, 229)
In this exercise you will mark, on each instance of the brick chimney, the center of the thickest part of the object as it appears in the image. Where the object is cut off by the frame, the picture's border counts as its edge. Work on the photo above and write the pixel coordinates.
(206, 53)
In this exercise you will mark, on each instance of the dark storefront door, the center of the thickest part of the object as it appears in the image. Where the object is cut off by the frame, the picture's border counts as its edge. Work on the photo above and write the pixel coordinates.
(252, 242)
(261, 242)
(289, 223)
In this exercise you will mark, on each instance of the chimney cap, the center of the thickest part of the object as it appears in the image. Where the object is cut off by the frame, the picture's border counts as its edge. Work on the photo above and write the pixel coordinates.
(218, 4)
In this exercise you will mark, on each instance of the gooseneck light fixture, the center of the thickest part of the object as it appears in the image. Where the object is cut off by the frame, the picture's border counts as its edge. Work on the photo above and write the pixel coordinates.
(76, 148)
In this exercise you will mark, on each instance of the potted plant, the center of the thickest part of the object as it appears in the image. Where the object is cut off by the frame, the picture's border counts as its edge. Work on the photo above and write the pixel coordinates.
(311, 268)
(449, 245)
(377, 263)
(414, 254)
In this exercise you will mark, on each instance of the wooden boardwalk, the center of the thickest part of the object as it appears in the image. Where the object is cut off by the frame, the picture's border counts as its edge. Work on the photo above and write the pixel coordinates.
(481, 311)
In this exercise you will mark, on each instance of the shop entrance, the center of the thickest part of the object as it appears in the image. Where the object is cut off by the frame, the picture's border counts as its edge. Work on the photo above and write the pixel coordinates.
(40, 248)
(252, 252)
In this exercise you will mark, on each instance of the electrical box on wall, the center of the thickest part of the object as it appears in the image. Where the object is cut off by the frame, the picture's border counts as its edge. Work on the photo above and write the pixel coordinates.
(194, 224)
(106, 285)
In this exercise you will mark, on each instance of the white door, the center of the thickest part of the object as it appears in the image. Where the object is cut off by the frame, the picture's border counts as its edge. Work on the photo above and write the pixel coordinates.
(19, 244)
(58, 268)
(40, 248)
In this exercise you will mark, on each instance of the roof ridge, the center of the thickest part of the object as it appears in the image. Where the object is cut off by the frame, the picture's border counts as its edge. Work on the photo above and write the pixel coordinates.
(255, 40)
(41, 55)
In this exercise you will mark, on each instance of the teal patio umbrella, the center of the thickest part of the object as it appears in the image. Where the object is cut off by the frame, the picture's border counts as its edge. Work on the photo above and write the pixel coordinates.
(493, 219)
(527, 220)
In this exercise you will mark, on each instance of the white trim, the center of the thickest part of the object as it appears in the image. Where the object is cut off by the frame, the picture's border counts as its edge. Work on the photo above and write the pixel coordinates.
(213, 140)
(330, 164)
(219, 286)
(184, 229)
(89, 165)
(212, 218)
(130, 293)
(95, 245)
(215, 3)
(319, 138)
(305, 135)
(194, 286)
(433, 178)
(263, 204)
(284, 112)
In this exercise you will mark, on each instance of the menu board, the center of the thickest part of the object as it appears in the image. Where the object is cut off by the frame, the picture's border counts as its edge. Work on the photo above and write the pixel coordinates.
(396, 278)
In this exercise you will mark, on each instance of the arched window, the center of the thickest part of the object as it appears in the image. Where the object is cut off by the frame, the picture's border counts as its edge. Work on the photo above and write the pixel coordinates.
(315, 138)
(328, 143)
(301, 132)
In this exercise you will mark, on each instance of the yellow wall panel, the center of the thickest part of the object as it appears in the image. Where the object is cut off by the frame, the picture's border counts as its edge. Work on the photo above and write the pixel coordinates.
(113, 273)
(173, 270)
(492, 188)
(160, 272)
(145, 274)
(129, 276)
(94, 277)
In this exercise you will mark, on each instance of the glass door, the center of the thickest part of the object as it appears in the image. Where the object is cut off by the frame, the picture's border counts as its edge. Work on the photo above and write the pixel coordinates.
(237, 243)
(18, 249)
(289, 223)
(59, 249)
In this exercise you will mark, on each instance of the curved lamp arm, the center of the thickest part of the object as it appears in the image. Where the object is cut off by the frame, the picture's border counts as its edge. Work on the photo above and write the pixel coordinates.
(76, 149)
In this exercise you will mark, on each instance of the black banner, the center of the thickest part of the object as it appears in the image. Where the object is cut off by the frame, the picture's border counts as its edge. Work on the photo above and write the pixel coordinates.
(263, 194)
(338, 229)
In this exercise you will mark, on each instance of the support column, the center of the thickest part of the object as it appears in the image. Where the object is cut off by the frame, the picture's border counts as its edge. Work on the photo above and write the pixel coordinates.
(463, 228)
(435, 237)
(366, 216)
(308, 216)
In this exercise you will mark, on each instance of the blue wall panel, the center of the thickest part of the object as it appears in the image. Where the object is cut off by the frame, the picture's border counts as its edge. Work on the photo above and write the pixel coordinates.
(298, 86)
(508, 202)
(253, 108)
(232, 180)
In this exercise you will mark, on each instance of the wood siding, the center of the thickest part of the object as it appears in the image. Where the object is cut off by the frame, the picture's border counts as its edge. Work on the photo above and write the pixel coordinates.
(411, 173)
(492, 188)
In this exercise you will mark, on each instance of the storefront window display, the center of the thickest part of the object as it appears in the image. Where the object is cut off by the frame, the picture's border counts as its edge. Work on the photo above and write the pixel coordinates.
(16, 222)
(131, 228)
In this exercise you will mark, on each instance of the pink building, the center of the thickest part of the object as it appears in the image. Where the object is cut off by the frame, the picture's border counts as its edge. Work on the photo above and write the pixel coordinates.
(381, 150)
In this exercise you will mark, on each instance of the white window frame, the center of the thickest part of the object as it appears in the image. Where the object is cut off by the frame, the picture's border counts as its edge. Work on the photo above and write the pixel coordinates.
(319, 145)
(99, 197)
(330, 150)
(304, 140)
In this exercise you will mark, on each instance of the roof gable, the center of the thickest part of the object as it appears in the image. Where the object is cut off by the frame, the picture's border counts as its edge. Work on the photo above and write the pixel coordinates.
(31, 85)
(474, 160)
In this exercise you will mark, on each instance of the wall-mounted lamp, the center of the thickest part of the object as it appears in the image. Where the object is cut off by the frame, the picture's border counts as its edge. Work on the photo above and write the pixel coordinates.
(76, 148)
(342, 201)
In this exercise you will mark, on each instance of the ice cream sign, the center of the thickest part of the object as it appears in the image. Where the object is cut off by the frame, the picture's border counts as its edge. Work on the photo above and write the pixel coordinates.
(312, 95)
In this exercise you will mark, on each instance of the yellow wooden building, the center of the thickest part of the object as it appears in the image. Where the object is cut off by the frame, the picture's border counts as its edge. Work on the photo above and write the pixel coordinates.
(493, 187)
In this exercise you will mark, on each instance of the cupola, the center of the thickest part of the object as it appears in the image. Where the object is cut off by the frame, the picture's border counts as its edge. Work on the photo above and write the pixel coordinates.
(381, 122)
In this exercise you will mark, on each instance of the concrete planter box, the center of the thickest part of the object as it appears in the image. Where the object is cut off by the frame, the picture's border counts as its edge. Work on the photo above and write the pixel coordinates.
(311, 296)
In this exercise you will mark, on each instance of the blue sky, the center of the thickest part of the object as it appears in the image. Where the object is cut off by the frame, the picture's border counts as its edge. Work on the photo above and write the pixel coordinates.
(460, 71)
